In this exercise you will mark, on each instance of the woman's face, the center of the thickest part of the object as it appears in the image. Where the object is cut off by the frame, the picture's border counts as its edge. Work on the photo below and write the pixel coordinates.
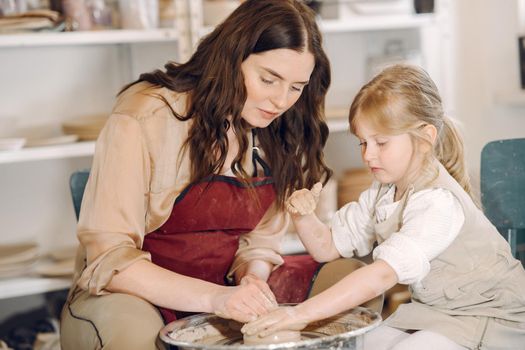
(274, 81)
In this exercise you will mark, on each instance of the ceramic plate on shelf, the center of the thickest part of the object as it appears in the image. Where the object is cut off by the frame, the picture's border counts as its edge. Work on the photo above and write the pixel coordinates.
(86, 128)
(17, 269)
(56, 269)
(12, 144)
(63, 253)
(11, 254)
(51, 141)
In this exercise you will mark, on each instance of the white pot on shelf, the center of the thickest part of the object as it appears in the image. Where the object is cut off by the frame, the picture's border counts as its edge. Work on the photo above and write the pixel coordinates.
(215, 11)
(380, 7)
(363, 8)
(139, 14)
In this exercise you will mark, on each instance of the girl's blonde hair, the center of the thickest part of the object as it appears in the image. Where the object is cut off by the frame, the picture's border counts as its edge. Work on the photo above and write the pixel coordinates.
(404, 99)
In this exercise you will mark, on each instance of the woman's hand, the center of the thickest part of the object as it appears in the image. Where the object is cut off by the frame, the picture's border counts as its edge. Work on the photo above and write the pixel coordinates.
(282, 318)
(304, 201)
(251, 278)
(245, 302)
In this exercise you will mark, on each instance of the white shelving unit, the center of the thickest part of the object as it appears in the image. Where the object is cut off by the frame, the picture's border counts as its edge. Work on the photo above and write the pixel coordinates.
(49, 78)
(93, 84)
(82, 149)
(367, 23)
(88, 38)
(21, 286)
(78, 149)
(372, 23)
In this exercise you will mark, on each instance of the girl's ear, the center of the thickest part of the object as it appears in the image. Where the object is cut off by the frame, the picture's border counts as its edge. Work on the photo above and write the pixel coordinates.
(430, 134)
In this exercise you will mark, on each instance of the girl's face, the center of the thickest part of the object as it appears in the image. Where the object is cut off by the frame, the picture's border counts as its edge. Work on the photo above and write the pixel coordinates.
(274, 81)
(389, 157)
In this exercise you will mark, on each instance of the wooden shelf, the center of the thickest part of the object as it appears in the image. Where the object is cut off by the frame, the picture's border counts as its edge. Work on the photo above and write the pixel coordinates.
(77, 149)
(21, 286)
(116, 36)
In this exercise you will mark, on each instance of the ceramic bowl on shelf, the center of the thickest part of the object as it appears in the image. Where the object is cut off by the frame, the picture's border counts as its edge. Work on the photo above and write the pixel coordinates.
(12, 143)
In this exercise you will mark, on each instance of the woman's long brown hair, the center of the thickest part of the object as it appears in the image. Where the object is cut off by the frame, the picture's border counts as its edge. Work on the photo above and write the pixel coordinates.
(293, 144)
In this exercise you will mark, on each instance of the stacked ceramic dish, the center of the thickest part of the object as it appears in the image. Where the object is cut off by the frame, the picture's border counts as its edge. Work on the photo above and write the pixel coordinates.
(60, 263)
(47, 134)
(87, 128)
(17, 259)
(352, 184)
(12, 143)
(51, 141)
(13, 136)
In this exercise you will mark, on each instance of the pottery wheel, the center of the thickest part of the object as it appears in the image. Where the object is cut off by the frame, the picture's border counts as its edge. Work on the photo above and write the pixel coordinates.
(210, 332)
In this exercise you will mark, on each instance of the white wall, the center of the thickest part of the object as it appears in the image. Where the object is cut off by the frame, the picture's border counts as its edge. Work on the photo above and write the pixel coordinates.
(486, 66)
(40, 87)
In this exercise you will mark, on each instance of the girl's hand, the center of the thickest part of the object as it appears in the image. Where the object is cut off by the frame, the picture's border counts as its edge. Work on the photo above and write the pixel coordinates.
(245, 302)
(304, 201)
(282, 318)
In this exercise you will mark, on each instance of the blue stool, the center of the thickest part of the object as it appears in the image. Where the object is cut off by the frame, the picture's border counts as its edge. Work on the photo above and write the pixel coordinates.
(502, 179)
(77, 184)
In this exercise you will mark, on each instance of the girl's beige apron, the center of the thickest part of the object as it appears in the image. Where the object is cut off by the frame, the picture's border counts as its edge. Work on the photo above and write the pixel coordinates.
(475, 290)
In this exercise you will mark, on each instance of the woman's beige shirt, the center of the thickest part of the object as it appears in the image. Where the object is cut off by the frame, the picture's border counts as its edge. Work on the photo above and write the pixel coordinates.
(137, 173)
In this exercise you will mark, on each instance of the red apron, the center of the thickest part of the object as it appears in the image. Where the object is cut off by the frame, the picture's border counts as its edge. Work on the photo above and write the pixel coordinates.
(201, 236)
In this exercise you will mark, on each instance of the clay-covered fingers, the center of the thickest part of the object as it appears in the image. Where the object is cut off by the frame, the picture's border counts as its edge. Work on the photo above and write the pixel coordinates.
(316, 190)
(228, 303)
(304, 201)
(236, 313)
(301, 202)
(244, 303)
(282, 318)
(257, 302)
(265, 323)
(267, 297)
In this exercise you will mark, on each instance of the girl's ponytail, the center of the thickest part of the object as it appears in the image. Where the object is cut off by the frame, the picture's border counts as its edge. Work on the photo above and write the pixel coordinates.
(403, 99)
(450, 152)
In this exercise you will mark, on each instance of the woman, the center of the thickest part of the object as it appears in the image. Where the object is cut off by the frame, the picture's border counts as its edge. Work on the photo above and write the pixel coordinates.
(180, 200)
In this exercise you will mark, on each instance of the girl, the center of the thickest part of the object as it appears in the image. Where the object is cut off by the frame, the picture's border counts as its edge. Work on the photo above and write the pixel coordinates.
(184, 207)
(467, 289)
